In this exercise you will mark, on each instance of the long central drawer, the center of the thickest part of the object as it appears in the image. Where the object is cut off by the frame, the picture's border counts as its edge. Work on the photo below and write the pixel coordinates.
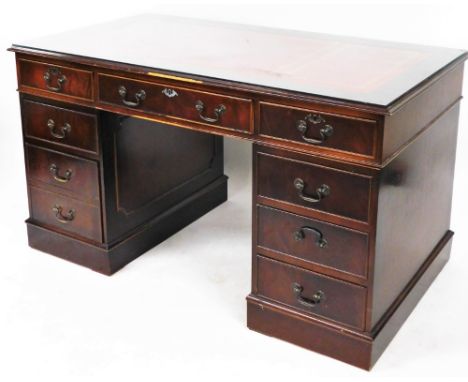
(198, 106)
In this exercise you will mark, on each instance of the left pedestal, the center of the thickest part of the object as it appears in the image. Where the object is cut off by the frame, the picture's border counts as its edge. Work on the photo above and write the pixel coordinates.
(104, 188)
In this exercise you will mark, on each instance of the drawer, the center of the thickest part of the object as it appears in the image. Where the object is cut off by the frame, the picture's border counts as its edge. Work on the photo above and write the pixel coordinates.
(53, 78)
(65, 214)
(64, 127)
(76, 176)
(314, 187)
(311, 293)
(317, 129)
(313, 241)
(202, 107)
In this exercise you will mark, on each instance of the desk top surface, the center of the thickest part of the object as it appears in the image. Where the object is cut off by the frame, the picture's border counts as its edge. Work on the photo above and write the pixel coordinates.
(352, 69)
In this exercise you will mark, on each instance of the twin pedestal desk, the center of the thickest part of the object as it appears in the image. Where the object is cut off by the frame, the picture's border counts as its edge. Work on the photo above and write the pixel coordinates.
(353, 161)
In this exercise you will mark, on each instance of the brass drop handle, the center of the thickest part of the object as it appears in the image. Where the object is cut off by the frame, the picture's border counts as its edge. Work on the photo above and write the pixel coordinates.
(311, 302)
(325, 132)
(60, 132)
(218, 111)
(54, 170)
(68, 217)
(320, 192)
(139, 96)
(54, 72)
(300, 234)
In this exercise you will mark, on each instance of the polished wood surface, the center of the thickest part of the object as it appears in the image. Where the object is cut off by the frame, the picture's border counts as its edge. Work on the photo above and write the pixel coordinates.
(149, 167)
(410, 296)
(81, 135)
(348, 193)
(385, 143)
(71, 175)
(364, 71)
(355, 347)
(348, 134)
(76, 83)
(178, 102)
(411, 206)
(340, 301)
(402, 127)
(346, 250)
(353, 157)
(108, 259)
(73, 216)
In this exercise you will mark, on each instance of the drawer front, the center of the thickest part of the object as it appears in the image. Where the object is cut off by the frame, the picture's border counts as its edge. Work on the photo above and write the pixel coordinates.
(317, 129)
(76, 176)
(313, 241)
(64, 127)
(58, 79)
(65, 214)
(314, 187)
(311, 293)
(208, 108)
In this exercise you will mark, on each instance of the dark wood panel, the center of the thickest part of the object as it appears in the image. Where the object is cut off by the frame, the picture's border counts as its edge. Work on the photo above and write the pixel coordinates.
(65, 214)
(76, 176)
(339, 301)
(351, 346)
(330, 131)
(54, 78)
(314, 241)
(47, 122)
(410, 297)
(178, 102)
(279, 322)
(109, 259)
(148, 167)
(421, 110)
(348, 194)
(414, 206)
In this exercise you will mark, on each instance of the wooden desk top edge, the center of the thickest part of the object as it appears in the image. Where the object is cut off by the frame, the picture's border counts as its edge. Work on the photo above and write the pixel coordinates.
(169, 74)
(455, 57)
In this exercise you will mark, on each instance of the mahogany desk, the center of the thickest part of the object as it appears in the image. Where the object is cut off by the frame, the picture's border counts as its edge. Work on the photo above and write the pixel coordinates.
(354, 148)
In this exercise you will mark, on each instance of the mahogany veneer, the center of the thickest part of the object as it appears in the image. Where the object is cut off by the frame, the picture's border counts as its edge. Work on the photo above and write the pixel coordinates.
(74, 83)
(306, 241)
(75, 176)
(354, 148)
(178, 102)
(48, 124)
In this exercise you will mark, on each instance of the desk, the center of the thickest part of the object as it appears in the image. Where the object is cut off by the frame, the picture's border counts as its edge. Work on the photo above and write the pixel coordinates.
(353, 160)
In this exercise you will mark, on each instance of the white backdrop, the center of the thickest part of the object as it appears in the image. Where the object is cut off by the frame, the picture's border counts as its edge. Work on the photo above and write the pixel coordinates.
(178, 312)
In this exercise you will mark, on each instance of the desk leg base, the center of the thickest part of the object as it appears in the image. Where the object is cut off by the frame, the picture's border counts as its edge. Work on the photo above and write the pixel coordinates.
(109, 260)
(356, 348)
